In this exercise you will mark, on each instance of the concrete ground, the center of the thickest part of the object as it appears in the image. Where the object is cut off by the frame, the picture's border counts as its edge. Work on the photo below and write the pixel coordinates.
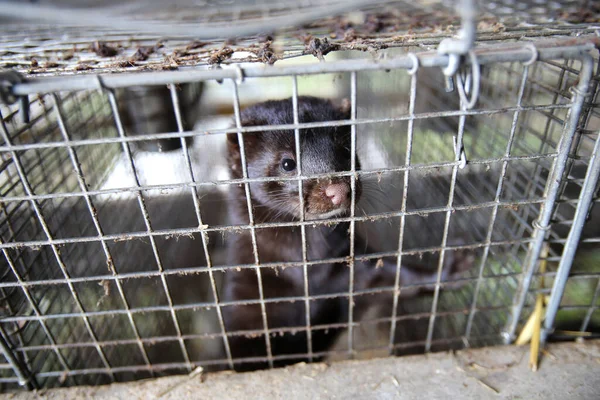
(567, 371)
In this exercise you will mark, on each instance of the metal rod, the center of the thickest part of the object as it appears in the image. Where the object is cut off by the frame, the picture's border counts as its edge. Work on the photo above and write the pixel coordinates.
(210, 305)
(305, 125)
(185, 185)
(302, 217)
(593, 306)
(551, 192)
(203, 233)
(252, 225)
(197, 270)
(184, 231)
(585, 199)
(490, 228)
(24, 377)
(407, 161)
(436, 293)
(162, 339)
(548, 50)
(125, 146)
(353, 178)
(300, 356)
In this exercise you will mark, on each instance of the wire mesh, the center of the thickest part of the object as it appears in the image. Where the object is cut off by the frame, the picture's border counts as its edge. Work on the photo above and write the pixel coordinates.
(112, 271)
(92, 300)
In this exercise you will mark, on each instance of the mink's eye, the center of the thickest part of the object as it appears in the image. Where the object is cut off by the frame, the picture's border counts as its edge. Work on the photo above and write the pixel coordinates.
(288, 164)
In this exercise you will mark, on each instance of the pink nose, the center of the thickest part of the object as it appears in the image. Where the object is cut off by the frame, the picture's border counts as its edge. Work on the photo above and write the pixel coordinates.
(337, 192)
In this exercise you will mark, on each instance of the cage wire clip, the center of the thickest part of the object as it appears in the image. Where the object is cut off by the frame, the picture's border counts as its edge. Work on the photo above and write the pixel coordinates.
(459, 150)
(415, 67)
(535, 54)
(470, 83)
(8, 78)
(239, 74)
(455, 48)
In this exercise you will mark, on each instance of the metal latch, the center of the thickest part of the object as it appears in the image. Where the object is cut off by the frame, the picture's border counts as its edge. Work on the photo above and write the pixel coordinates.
(8, 78)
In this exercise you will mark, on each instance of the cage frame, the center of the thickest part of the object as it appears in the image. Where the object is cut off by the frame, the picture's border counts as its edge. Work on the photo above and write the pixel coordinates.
(578, 48)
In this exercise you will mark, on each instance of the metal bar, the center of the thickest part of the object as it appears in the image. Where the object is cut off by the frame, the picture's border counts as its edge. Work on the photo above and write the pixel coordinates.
(532, 184)
(574, 146)
(203, 233)
(551, 192)
(302, 217)
(556, 217)
(373, 257)
(24, 377)
(93, 213)
(378, 171)
(407, 161)
(183, 231)
(171, 366)
(436, 293)
(177, 111)
(585, 199)
(273, 300)
(353, 178)
(162, 339)
(590, 311)
(179, 271)
(492, 222)
(305, 125)
(592, 107)
(548, 50)
(252, 225)
(121, 130)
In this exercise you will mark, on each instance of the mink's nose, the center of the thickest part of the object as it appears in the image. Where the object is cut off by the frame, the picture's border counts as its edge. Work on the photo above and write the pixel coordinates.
(337, 192)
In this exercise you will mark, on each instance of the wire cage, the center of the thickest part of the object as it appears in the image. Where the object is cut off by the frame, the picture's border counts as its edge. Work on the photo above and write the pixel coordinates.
(115, 186)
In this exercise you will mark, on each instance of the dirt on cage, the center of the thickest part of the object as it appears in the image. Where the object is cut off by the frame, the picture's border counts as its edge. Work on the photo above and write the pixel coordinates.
(373, 28)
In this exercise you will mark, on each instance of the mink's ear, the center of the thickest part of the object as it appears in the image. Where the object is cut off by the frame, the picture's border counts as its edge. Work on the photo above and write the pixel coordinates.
(232, 139)
(253, 121)
(250, 139)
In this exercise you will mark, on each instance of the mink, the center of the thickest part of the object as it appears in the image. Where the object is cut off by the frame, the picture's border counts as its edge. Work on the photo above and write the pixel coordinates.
(272, 153)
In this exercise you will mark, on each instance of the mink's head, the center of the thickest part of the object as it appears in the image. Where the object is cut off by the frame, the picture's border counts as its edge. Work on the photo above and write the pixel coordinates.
(273, 154)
